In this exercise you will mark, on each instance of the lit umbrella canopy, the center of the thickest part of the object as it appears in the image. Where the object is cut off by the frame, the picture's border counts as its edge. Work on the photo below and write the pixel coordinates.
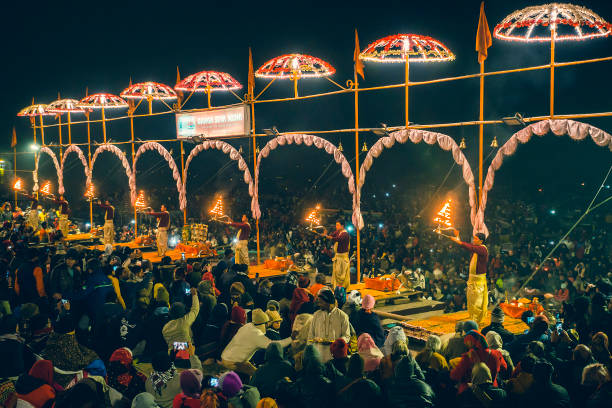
(102, 101)
(536, 23)
(208, 81)
(149, 90)
(286, 65)
(65, 106)
(35, 110)
(395, 48)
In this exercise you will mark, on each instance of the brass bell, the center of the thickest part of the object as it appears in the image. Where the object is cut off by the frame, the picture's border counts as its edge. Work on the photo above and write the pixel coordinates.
(462, 144)
(494, 142)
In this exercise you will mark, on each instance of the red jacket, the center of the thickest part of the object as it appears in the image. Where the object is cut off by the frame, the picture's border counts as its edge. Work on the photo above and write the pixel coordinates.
(462, 373)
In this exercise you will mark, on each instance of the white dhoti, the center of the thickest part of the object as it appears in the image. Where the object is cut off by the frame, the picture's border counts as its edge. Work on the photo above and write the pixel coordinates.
(341, 275)
(242, 252)
(109, 232)
(63, 224)
(162, 241)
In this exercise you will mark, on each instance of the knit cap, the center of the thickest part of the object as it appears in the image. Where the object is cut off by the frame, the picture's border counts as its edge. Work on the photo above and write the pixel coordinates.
(230, 384)
(258, 317)
(368, 302)
(497, 315)
(274, 316)
(339, 348)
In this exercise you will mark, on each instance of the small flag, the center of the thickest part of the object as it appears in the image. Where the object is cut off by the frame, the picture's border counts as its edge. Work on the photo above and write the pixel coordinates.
(358, 62)
(179, 94)
(483, 36)
(130, 101)
(14, 140)
(251, 81)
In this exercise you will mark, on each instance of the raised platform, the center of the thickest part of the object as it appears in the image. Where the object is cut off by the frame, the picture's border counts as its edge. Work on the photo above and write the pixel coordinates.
(445, 323)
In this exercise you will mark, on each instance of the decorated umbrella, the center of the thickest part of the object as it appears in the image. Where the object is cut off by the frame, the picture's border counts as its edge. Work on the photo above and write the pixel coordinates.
(552, 22)
(67, 106)
(32, 111)
(150, 91)
(294, 67)
(209, 82)
(103, 101)
(404, 48)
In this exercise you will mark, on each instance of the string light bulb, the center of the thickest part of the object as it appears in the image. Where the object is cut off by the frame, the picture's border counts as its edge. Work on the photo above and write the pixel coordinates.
(364, 148)
(494, 143)
(462, 144)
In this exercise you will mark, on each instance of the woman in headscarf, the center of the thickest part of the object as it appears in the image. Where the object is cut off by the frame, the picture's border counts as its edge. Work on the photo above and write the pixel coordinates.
(479, 351)
(37, 386)
(495, 342)
(300, 296)
(123, 376)
(229, 329)
(299, 332)
(354, 390)
(429, 357)
(191, 386)
(395, 333)
(369, 352)
(389, 362)
(405, 389)
(599, 347)
(163, 383)
(482, 393)
(366, 321)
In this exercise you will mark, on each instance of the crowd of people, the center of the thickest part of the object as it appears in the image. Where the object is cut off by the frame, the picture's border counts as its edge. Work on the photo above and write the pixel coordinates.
(93, 328)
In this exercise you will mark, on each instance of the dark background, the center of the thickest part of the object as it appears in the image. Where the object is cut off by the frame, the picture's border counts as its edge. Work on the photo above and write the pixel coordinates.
(66, 47)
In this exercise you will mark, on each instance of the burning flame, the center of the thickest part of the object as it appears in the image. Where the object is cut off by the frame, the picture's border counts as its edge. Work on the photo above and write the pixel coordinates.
(18, 184)
(90, 191)
(46, 189)
(217, 210)
(314, 218)
(140, 200)
(443, 218)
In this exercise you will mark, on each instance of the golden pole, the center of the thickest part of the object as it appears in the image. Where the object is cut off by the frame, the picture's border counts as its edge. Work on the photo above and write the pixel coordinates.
(90, 169)
(553, 35)
(69, 130)
(134, 169)
(406, 87)
(15, 165)
(208, 92)
(150, 100)
(480, 133)
(295, 83)
(251, 100)
(357, 164)
(104, 124)
(42, 132)
(59, 128)
(184, 181)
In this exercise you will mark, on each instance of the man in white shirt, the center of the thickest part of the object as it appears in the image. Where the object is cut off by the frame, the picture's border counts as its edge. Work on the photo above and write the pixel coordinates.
(328, 324)
(247, 340)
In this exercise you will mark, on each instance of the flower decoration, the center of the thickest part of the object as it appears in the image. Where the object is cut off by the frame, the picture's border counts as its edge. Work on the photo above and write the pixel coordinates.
(286, 66)
(208, 81)
(149, 90)
(537, 23)
(399, 47)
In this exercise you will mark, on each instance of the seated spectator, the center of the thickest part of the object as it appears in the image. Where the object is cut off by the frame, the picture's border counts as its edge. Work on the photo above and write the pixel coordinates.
(479, 351)
(300, 296)
(37, 386)
(318, 285)
(16, 357)
(273, 370)
(405, 390)
(236, 394)
(191, 386)
(369, 352)
(178, 329)
(365, 321)
(395, 333)
(338, 365)
(274, 325)
(355, 390)
(522, 377)
(430, 357)
(537, 331)
(495, 343)
(599, 347)
(312, 388)
(123, 376)
(246, 342)
(164, 381)
(207, 339)
(544, 392)
(497, 325)
(597, 378)
(482, 393)
(455, 347)
(231, 327)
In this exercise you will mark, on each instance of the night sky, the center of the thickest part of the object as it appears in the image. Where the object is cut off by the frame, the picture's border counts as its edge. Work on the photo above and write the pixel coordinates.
(68, 46)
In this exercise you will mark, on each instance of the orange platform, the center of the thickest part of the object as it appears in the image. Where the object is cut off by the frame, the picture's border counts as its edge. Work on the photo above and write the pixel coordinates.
(446, 323)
